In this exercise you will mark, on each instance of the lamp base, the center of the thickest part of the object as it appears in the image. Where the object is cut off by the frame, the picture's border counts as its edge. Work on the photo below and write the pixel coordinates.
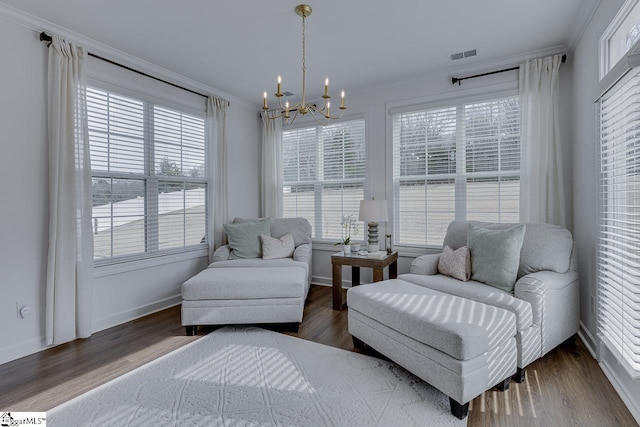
(373, 237)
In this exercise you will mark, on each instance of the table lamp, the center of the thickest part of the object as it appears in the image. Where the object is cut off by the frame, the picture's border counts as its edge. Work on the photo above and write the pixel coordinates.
(373, 211)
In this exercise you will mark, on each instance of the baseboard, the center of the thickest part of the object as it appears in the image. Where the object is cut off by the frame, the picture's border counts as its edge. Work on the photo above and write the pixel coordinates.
(627, 397)
(22, 349)
(588, 340)
(134, 313)
(328, 281)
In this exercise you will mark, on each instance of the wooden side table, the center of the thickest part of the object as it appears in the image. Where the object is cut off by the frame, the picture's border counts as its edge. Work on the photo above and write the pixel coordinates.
(357, 261)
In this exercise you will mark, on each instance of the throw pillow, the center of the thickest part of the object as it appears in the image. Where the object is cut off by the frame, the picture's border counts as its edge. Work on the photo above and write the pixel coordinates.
(273, 248)
(456, 264)
(495, 255)
(244, 238)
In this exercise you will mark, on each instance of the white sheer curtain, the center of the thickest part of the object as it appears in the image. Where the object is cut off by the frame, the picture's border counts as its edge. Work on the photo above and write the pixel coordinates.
(70, 261)
(541, 183)
(217, 189)
(271, 183)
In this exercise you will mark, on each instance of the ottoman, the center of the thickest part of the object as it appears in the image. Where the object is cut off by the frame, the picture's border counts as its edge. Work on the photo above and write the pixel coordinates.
(244, 295)
(460, 346)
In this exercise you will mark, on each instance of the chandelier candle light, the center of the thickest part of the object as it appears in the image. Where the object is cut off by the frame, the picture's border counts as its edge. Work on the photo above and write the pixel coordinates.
(304, 10)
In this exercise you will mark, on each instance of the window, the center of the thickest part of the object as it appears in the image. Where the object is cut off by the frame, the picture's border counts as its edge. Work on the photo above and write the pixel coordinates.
(619, 236)
(324, 175)
(620, 36)
(455, 162)
(149, 176)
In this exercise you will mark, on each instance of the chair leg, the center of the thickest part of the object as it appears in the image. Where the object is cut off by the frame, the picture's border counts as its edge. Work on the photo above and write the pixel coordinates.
(504, 385)
(293, 327)
(191, 330)
(359, 344)
(520, 375)
(459, 410)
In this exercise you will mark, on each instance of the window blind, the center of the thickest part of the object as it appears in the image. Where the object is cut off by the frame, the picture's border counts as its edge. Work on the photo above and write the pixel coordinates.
(455, 162)
(324, 174)
(619, 234)
(149, 176)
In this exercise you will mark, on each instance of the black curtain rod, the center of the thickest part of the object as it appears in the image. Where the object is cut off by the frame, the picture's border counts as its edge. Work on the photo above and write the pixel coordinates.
(44, 37)
(458, 80)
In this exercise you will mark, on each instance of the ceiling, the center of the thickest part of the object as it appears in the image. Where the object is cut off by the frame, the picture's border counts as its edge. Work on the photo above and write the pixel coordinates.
(240, 47)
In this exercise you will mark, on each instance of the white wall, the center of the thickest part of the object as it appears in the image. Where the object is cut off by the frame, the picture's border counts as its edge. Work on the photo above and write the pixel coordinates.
(376, 103)
(24, 202)
(585, 192)
(118, 296)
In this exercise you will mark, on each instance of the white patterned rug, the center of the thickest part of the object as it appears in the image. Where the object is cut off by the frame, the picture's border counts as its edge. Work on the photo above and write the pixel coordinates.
(246, 376)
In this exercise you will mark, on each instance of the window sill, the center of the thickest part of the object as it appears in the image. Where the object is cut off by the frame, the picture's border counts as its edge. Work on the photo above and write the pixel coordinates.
(124, 266)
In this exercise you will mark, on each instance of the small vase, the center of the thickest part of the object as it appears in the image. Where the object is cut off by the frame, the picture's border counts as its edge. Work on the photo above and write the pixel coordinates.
(346, 249)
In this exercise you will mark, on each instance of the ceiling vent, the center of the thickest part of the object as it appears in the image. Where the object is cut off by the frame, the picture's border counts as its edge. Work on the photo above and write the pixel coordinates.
(461, 55)
(287, 93)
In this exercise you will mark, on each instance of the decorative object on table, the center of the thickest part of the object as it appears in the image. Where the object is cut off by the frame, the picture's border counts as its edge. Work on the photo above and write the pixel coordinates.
(321, 115)
(388, 243)
(373, 211)
(355, 247)
(349, 225)
(377, 255)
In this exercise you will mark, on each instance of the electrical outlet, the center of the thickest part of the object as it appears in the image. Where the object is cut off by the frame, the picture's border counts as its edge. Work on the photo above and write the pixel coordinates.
(593, 304)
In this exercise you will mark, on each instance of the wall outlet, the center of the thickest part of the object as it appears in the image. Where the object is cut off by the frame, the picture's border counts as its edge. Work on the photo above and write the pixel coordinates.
(593, 304)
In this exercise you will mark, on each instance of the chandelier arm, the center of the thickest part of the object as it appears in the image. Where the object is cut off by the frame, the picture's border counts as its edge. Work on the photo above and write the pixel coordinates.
(313, 112)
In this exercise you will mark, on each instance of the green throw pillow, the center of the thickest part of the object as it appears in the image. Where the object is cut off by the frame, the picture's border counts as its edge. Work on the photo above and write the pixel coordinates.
(244, 238)
(495, 255)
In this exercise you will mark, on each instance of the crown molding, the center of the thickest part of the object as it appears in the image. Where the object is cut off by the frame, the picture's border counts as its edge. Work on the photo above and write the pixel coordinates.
(38, 25)
(582, 21)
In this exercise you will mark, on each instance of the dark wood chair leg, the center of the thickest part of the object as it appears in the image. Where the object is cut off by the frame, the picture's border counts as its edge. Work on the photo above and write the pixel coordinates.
(459, 410)
(293, 327)
(520, 375)
(504, 385)
(359, 344)
(191, 330)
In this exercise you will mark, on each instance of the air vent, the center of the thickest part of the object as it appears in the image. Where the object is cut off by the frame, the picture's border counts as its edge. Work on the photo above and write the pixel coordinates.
(287, 93)
(461, 55)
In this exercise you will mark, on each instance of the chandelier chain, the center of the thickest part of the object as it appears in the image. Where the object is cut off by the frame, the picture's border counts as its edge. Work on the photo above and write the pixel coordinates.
(304, 61)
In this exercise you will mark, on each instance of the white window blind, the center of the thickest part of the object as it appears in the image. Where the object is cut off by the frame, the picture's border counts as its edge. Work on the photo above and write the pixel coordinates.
(456, 162)
(619, 243)
(324, 175)
(149, 176)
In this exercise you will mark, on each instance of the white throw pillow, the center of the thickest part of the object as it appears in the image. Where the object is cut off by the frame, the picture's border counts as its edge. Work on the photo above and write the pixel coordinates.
(273, 248)
(456, 264)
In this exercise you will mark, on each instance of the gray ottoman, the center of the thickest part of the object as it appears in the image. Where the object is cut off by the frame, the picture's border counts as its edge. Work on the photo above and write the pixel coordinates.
(222, 296)
(460, 346)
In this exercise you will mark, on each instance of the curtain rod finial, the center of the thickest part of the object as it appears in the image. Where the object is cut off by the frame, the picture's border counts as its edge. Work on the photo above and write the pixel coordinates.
(44, 37)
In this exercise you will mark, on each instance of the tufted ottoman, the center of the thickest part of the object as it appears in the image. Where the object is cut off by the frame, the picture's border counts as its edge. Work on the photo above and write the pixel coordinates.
(460, 346)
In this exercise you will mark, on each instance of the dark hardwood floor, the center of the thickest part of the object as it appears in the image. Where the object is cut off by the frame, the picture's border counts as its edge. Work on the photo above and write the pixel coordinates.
(564, 388)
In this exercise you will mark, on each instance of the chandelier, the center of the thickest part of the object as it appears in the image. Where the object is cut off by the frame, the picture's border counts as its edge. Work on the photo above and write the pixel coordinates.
(321, 115)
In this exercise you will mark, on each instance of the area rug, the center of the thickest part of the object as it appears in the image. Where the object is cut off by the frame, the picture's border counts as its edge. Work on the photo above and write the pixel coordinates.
(246, 376)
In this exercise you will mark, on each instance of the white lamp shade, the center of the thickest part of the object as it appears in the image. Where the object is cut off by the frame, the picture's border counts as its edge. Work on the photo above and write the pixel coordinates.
(373, 211)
